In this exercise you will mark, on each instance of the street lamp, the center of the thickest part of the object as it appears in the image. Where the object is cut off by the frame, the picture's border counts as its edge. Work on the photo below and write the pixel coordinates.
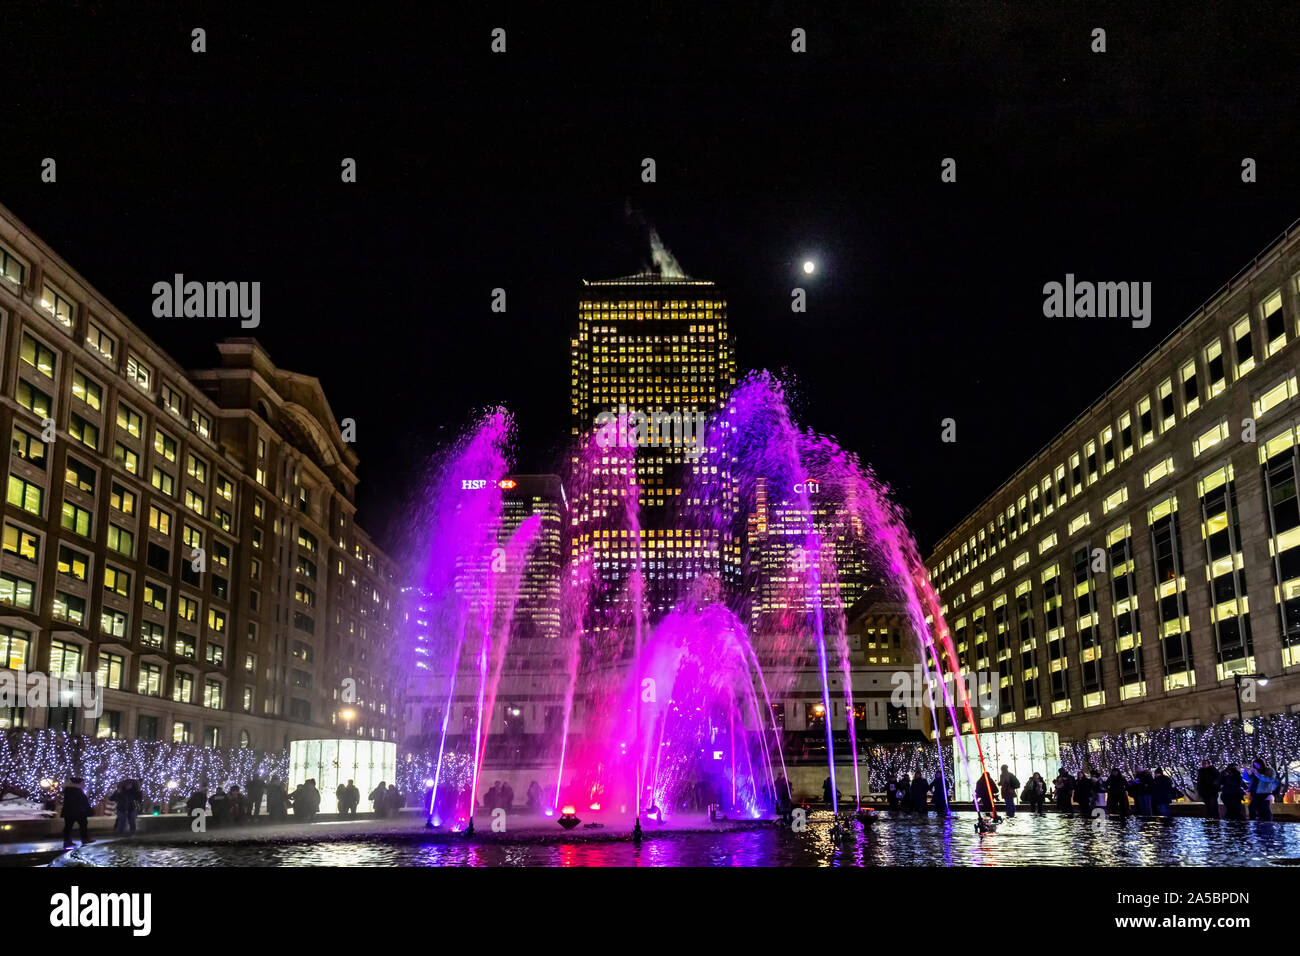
(1237, 678)
(348, 716)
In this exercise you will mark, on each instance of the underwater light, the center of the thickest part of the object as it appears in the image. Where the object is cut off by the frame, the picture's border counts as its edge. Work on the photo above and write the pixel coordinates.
(568, 819)
(595, 806)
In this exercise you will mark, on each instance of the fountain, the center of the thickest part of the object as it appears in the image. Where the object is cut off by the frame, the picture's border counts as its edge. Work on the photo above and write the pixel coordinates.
(664, 682)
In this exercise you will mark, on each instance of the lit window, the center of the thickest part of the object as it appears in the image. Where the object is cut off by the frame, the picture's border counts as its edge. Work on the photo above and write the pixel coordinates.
(1191, 389)
(173, 401)
(128, 419)
(87, 390)
(138, 373)
(37, 354)
(57, 304)
(1168, 416)
(1243, 347)
(1274, 327)
(1158, 471)
(100, 342)
(1209, 439)
(1283, 391)
(12, 269)
(201, 424)
(1214, 372)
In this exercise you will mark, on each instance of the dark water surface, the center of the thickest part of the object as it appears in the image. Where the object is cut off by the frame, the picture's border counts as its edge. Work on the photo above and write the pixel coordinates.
(898, 841)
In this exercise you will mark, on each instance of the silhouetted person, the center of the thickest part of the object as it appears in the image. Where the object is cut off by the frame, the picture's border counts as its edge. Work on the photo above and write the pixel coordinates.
(826, 795)
(1163, 794)
(1084, 795)
(255, 789)
(235, 804)
(1207, 788)
(986, 794)
(76, 809)
(1139, 788)
(306, 801)
(198, 801)
(1008, 784)
(1064, 785)
(1117, 794)
(1262, 786)
(940, 793)
(507, 796)
(353, 797)
(920, 789)
(1035, 793)
(379, 798)
(1232, 788)
(127, 801)
(534, 797)
(277, 799)
(220, 805)
(784, 803)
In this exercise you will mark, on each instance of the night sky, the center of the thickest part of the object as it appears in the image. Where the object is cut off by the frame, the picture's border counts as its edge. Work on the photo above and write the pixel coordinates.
(478, 170)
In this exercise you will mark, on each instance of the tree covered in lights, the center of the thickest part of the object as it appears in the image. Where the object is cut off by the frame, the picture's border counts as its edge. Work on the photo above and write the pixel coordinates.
(29, 757)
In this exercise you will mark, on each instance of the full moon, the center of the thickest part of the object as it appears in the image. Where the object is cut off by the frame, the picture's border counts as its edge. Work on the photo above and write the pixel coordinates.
(809, 266)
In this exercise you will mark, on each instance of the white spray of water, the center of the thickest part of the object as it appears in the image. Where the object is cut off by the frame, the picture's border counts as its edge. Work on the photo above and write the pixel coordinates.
(667, 264)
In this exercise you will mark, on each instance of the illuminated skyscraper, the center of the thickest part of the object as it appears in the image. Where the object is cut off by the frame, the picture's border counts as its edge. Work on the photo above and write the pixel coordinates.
(531, 608)
(537, 600)
(656, 350)
(778, 555)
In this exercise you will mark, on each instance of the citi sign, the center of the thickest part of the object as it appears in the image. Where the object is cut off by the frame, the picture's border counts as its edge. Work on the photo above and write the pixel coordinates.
(808, 487)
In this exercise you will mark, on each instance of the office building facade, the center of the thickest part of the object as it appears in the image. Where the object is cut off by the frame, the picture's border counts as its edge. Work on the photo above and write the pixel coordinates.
(657, 347)
(187, 537)
(1149, 556)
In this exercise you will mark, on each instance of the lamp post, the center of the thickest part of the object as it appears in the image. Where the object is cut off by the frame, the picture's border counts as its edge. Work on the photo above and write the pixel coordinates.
(348, 716)
(1237, 679)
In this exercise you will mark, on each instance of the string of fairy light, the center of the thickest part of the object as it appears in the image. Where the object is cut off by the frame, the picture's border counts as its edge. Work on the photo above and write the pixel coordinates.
(34, 762)
(1180, 751)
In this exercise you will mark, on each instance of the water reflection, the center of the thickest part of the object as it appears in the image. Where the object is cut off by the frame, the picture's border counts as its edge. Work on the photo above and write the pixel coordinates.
(893, 840)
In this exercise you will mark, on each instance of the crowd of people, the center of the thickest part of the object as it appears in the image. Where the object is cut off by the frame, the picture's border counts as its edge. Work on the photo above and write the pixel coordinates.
(1258, 788)
(386, 799)
(911, 793)
(1230, 794)
(232, 805)
(235, 805)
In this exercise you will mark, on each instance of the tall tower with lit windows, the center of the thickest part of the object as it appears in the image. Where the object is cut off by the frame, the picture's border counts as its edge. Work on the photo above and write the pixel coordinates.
(657, 347)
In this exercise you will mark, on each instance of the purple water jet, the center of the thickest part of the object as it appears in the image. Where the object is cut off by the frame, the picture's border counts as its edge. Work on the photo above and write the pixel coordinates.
(672, 650)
